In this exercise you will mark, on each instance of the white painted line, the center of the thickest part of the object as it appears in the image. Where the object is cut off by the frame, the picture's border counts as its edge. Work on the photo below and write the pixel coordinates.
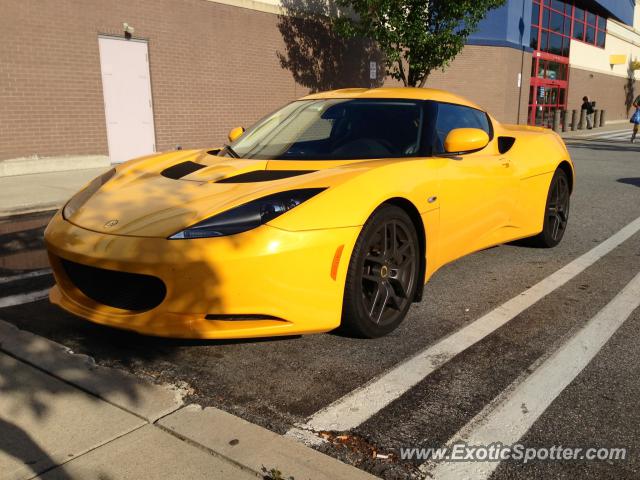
(505, 420)
(361, 404)
(611, 132)
(24, 276)
(22, 298)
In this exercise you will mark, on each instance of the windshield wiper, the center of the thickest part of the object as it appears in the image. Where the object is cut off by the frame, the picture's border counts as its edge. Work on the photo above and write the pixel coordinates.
(231, 151)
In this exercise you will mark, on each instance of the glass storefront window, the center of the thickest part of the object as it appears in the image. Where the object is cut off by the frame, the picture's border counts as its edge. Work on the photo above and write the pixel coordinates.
(534, 38)
(578, 30)
(535, 14)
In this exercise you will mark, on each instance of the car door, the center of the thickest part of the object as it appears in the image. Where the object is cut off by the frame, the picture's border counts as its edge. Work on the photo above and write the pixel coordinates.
(478, 190)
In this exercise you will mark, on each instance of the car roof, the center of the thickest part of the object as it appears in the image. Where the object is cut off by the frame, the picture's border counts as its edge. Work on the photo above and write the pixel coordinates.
(408, 93)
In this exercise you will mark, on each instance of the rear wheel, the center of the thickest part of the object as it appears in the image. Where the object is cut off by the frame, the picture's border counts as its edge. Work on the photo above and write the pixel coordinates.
(383, 274)
(556, 213)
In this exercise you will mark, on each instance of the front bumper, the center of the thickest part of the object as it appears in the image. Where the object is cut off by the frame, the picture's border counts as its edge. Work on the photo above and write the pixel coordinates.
(259, 283)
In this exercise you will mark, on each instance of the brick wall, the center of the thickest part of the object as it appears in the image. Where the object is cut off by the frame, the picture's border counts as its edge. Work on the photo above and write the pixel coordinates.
(213, 66)
(489, 77)
(608, 91)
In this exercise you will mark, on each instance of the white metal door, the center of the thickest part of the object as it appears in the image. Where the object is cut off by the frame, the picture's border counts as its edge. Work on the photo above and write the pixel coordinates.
(126, 88)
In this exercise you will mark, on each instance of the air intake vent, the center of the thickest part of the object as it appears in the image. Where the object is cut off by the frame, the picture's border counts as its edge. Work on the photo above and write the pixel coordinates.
(264, 176)
(180, 170)
(127, 291)
(505, 144)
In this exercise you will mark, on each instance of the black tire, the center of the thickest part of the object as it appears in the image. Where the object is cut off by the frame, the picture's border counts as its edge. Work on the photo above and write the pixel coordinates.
(556, 212)
(381, 282)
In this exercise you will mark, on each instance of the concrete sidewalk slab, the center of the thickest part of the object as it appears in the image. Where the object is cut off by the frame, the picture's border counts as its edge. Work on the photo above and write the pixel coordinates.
(253, 446)
(45, 422)
(148, 453)
(41, 191)
(144, 399)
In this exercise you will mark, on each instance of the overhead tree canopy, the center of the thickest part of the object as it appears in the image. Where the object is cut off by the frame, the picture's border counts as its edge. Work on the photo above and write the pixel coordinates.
(416, 36)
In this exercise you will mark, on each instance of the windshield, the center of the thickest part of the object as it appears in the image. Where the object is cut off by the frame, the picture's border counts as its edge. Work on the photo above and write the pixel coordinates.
(336, 129)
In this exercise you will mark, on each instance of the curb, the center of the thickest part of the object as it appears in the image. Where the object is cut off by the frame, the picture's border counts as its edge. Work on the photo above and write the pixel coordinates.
(240, 443)
(143, 399)
(26, 209)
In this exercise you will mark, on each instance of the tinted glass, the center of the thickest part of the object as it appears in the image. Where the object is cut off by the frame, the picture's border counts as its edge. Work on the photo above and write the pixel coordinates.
(591, 18)
(534, 38)
(578, 30)
(591, 35)
(452, 116)
(567, 25)
(336, 129)
(557, 22)
(579, 14)
(535, 14)
(555, 44)
(602, 23)
(558, 5)
(601, 38)
(566, 42)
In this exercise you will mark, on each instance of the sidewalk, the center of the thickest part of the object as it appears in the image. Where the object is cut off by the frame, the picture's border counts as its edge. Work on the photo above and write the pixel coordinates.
(608, 128)
(64, 418)
(41, 191)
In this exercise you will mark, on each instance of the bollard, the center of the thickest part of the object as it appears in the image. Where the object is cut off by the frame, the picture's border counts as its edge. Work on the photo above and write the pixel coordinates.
(583, 119)
(596, 118)
(565, 119)
(602, 117)
(574, 119)
(556, 120)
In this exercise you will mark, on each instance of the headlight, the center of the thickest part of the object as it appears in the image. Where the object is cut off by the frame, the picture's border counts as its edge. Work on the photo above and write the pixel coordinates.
(82, 196)
(248, 216)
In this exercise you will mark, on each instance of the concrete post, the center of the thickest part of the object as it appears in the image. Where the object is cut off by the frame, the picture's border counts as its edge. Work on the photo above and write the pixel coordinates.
(565, 120)
(596, 119)
(574, 119)
(602, 117)
(556, 120)
(583, 119)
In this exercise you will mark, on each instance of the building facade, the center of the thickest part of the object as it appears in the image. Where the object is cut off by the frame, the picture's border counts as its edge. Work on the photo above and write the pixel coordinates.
(87, 82)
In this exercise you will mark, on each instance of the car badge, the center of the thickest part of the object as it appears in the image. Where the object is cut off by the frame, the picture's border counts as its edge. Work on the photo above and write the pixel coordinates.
(111, 223)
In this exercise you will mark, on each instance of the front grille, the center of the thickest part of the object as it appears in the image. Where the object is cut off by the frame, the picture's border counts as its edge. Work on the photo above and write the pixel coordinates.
(127, 291)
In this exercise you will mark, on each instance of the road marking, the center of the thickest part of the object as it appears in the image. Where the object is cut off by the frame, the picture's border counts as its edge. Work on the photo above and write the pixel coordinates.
(22, 298)
(361, 404)
(23, 276)
(505, 421)
(610, 132)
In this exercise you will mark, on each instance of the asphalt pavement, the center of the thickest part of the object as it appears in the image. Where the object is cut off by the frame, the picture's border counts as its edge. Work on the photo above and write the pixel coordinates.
(285, 384)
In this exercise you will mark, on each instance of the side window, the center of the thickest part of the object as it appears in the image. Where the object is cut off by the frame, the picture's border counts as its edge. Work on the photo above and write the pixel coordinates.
(452, 116)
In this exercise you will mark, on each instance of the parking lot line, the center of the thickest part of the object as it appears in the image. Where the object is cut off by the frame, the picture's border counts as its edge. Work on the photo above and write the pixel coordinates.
(505, 420)
(22, 298)
(361, 404)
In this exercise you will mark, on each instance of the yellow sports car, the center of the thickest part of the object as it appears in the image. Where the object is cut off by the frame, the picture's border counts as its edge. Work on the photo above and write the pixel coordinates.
(333, 211)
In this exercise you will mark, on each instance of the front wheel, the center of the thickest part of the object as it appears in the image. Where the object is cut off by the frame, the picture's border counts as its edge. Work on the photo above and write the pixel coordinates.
(383, 274)
(556, 214)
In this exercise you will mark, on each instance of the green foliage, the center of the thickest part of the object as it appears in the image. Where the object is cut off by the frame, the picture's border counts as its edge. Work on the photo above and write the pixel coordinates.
(416, 36)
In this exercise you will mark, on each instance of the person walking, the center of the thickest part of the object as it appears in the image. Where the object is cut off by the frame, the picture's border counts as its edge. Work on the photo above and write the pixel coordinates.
(588, 106)
(635, 118)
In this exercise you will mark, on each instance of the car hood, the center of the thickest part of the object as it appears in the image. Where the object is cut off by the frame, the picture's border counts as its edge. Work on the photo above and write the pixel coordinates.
(160, 195)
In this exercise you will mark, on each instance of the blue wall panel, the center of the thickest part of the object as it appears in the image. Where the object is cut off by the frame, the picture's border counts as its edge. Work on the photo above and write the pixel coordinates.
(510, 25)
(621, 9)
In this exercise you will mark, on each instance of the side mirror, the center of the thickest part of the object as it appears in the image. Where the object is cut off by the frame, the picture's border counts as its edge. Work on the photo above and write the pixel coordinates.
(462, 140)
(235, 134)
